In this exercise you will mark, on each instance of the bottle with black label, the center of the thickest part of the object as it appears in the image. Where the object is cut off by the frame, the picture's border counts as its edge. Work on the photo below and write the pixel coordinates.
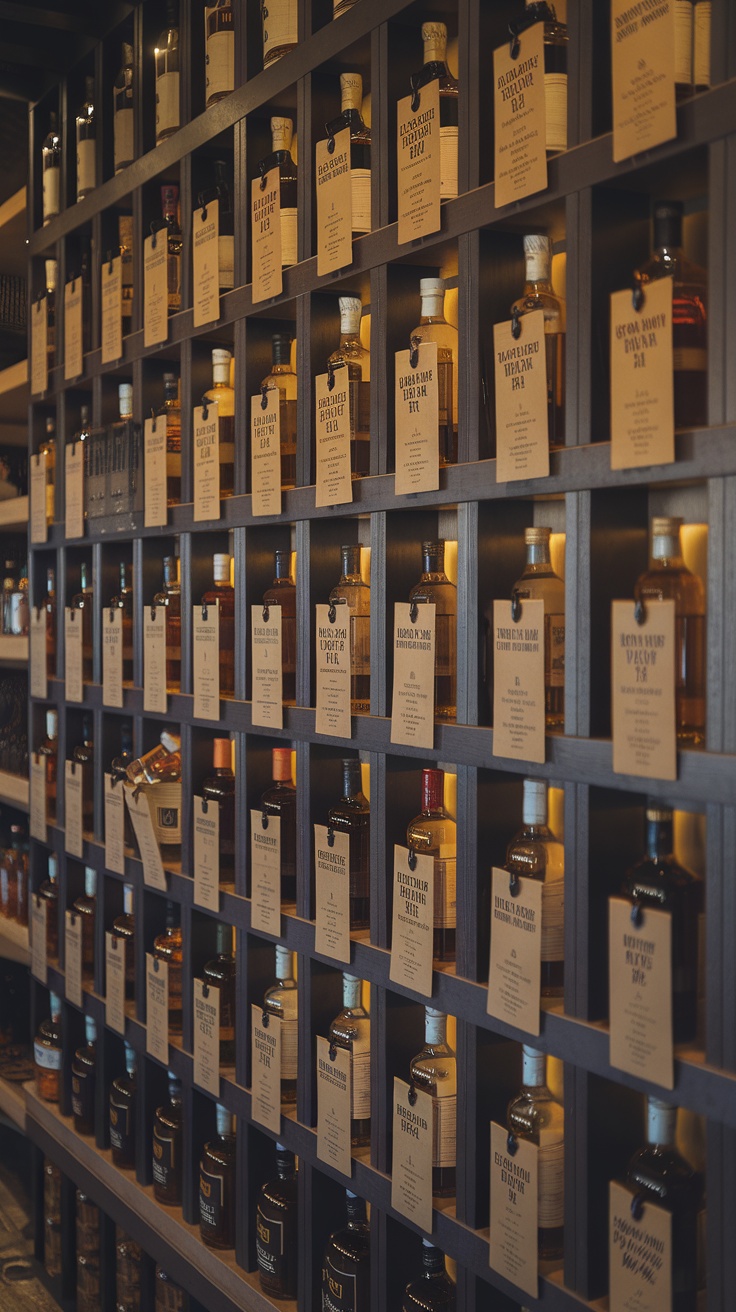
(84, 1066)
(122, 1112)
(346, 1269)
(276, 1229)
(217, 1184)
(167, 1147)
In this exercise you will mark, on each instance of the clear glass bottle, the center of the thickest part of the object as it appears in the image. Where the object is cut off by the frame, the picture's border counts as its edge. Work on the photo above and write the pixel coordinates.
(174, 246)
(280, 800)
(669, 579)
(657, 880)
(83, 601)
(433, 327)
(170, 598)
(220, 788)
(283, 378)
(122, 111)
(47, 1053)
(49, 891)
(223, 395)
(123, 439)
(123, 1102)
(279, 29)
(282, 592)
(219, 972)
(435, 588)
(48, 450)
(434, 1071)
(125, 241)
(84, 1078)
(351, 591)
(49, 606)
(352, 816)
(282, 131)
(352, 353)
(168, 947)
(535, 853)
(433, 833)
(84, 755)
(86, 133)
(223, 593)
(123, 928)
(534, 1115)
(281, 1001)
(434, 68)
(555, 69)
(123, 601)
(351, 1030)
(223, 192)
(166, 57)
(351, 116)
(86, 906)
(539, 295)
(346, 1266)
(277, 1236)
(9, 583)
(51, 169)
(217, 1184)
(540, 583)
(167, 1147)
(433, 1290)
(49, 750)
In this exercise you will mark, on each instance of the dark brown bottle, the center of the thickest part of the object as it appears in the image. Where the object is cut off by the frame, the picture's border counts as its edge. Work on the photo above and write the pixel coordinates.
(123, 601)
(352, 816)
(123, 1099)
(86, 907)
(282, 592)
(276, 1229)
(123, 928)
(223, 593)
(84, 755)
(83, 601)
(217, 1184)
(167, 1147)
(433, 1290)
(49, 606)
(49, 752)
(170, 598)
(49, 891)
(220, 788)
(280, 800)
(84, 1075)
(346, 1268)
(220, 973)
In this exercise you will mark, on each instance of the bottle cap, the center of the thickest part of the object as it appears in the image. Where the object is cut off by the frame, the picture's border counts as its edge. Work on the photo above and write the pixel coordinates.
(224, 1119)
(658, 814)
(84, 415)
(431, 287)
(50, 425)
(50, 275)
(281, 764)
(90, 1029)
(221, 754)
(282, 562)
(351, 308)
(538, 257)
(221, 567)
(90, 881)
(282, 131)
(536, 536)
(221, 357)
(351, 558)
(434, 34)
(225, 936)
(131, 1058)
(128, 899)
(351, 776)
(53, 867)
(171, 741)
(125, 400)
(433, 789)
(127, 54)
(52, 724)
(281, 348)
(170, 379)
(351, 89)
(169, 199)
(536, 243)
(534, 804)
(666, 526)
(54, 1004)
(284, 966)
(431, 1013)
(174, 1084)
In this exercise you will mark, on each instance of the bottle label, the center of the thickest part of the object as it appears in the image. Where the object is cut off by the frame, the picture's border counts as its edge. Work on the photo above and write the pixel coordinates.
(683, 41)
(340, 1291)
(279, 26)
(270, 1246)
(288, 237)
(211, 1192)
(701, 44)
(289, 1048)
(445, 897)
(123, 133)
(51, 191)
(360, 187)
(551, 1172)
(555, 105)
(164, 1160)
(49, 1059)
(554, 651)
(361, 1075)
(85, 166)
(448, 163)
(226, 262)
(444, 1134)
(120, 1136)
(220, 62)
(167, 102)
(553, 920)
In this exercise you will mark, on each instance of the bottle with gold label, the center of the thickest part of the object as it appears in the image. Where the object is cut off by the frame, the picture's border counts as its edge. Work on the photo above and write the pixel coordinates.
(84, 1078)
(123, 1101)
(223, 594)
(354, 356)
(555, 40)
(435, 69)
(167, 1147)
(283, 378)
(434, 1071)
(351, 1030)
(223, 396)
(276, 1229)
(540, 295)
(171, 412)
(435, 588)
(219, 50)
(540, 583)
(280, 158)
(282, 592)
(280, 33)
(534, 1115)
(351, 815)
(219, 972)
(167, 65)
(217, 1184)
(433, 833)
(47, 1053)
(168, 947)
(281, 1001)
(174, 245)
(434, 328)
(280, 800)
(535, 853)
(351, 116)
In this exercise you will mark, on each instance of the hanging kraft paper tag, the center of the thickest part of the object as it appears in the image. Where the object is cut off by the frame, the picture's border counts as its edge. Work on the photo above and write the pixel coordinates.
(332, 671)
(73, 957)
(37, 644)
(140, 815)
(643, 663)
(37, 789)
(334, 485)
(640, 992)
(265, 1083)
(114, 825)
(640, 1254)
(206, 264)
(207, 1037)
(417, 417)
(334, 1105)
(334, 203)
(157, 1008)
(111, 301)
(39, 960)
(268, 703)
(412, 705)
(411, 1164)
(265, 873)
(155, 510)
(522, 421)
(39, 499)
(642, 392)
(206, 854)
(265, 202)
(515, 975)
(518, 681)
(154, 659)
(412, 921)
(265, 452)
(206, 660)
(114, 983)
(73, 359)
(519, 119)
(206, 446)
(643, 74)
(74, 490)
(418, 164)
(332, 893)
(73, 834)
(514, 1211)
(74, 688)
(39, 347)
(112, 656)
(155, 290)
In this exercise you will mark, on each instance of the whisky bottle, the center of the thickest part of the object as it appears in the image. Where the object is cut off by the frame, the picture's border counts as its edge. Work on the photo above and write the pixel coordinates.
(434, 1071)
(47, 1053)
(125, 243)
(119, 773)
(701, 45)
(49, 891)
(219, 973)
(220, 788)
(170, 598)
(84, 1078)
(171, 412)
(282, 592)
(434, 69)
(346, 1266)
(657, 880)
(219, 50)
(166, 57)
(222, 395)
(167, 1147)
(351, 1030)
(83, 601)
(169, 1297)
(47, 449)
(435, 588)
(84, 755)
(279, 28)
(48, 750)
(540, 583)
(49, 606)
(223, 593)
(123, 1101)
(280, 800)
(50, 267)
(123, 602)
(122, 112)
(658, 1174)
(168, 947)
(433, 327)
(351, 116)
(217, 1184)
(555, 69)
(282, 131)
(534, 1115)
(283, 378)
(433, 1290)
(86, 906)
(433, 833)
(123, 928)
(669, 579)
(123, 438)
(535, 853)
(689, 314)
(281, 1001)
(352, 816)
(174, 245)
(277, 1236)
(159, 764)
(539, 295)
(51, 169)
(353, 354)
(222, 191)
(352, 592)
(86, 133)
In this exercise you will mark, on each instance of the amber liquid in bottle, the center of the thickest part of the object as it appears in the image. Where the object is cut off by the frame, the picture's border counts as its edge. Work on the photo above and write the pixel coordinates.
(434, 587)
(434, 1071)
(434, 68)
(276, 1229)
(282, 592)
(47, 1053)
(280, 800)
(49, 891)
(167, 1147)
(171, 412)
(86, 907)
(124, 603)
(84, 1078)
(84, 755)
(168, 947)
(223, 593)
(352, 354)
(220, 974)
(280, 158)
(433, 327)
(283, 378)
(352, 816)
(535, 853)
(351, 1030)
(433, 833)
(170, 599)
(217, 1185)
(534, 1115)
(540, 583)
(555, 69)
(282, 1002)
(48, 751)
(220, 788)
(122, 1111)
(123, 929)
(223, 395)
(539, 295)
(352, 592)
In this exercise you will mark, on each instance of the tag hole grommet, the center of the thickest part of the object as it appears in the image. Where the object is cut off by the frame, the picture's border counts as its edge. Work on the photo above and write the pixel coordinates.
(515, 606)
(265, 1020)
(264, 820)
(413, 612)
(205, 408)
(330, 836)
(332, 1052)
(416, 98)
(640, 611)
(512, 1143)
(637, 915)
(637, 296)
(412, 859)
(265, 612)
(332, 613)
(264, 397)
(515, 324)
(637, 1206)
(514, 885)
(414, 344)
(412, 1095)
(330, 376)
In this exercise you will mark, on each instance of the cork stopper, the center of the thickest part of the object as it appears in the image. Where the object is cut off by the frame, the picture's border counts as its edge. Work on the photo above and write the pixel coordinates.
(52, 724)
(281, 764)
(538, 256)
(169, 201)
(665, 537)
(128, 899)
(434, 36)
(224, 1120)
(666, 526)
(351, 91)
(50, 275)
(658, 814)
(90, 1029)
(432, 293)
(221, 365)
(284, 963)
(125, 400)
(282, 131)
(350, 312)
(221, 754)
(90, 882)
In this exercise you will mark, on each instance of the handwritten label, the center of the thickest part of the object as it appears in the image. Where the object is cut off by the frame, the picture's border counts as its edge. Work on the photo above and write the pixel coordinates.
(334, 203)
(643, 72)
(418, 164)
(206, 660)
(140, 815)
(514, 979)
(73, 636)
(73, 957)
(519, 119)
(640, 991)
(114, 825)
(207, 1036)
(640, 1254)
(412, 706)
(111, 301)
(411, 1163)
(642, 390)
(332, 671)
(268, 703)
(157, 1008)
(332, 435)
(518, 681)
(155, 290)
(73, 804)
(332, 893)
(206, 264)
(522, 421)
(265, 452)
(38, 798)
(74, 489)
(155, 510)
(265, 1070)
(73, 358)
(334, 1105)
(154, 659)
(643, 690)
(38, 934)
(417, 416)
(41, 499)
(39, 346)
(514, 1210)
(206, 854)
(265, 873)
(38, 652)
(112, 656)
(265, 202)
(412, 920)
(206, 439)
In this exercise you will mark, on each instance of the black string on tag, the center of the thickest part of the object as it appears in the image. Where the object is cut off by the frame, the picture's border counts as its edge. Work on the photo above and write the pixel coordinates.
(515, 324)
(204, 611)
(264, 820)
(514, 885)
(264, 397)
(265, 612)
(205, 806)
(205, 989)
(514, 42)
(413, 612)
(637, 915)
(332, 613)
(637, 1206)
(414, 344)
(637, 296)
(512, 1143)
(515, 606)
(330, 141)
(205, 408)
(153, 417)
(640, 611)
(411, 860)
(264, 177)
(330, 376)
(333, 1052)
(109, 266)
(153, 612)
(156, 965)
(330, 836)
(416, 99)
(412, 1095)
(265, 1020)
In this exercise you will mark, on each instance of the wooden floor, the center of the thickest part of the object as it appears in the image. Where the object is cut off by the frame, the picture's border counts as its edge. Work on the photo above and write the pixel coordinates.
(20, 1288)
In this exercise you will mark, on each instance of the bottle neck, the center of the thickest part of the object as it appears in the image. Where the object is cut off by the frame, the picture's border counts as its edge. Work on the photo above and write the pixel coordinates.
(659, 839)
(537, 553)
(433, 790)
(668, 233)
(433, 561)
(433, 307)
(661, 1123)
(351, 988)
(221, 374)
(356, 1209)
(533, 1069)
(538, 268)
(282, 565)
(285, 1165)
(350, 565)
(351, 780)
(433, 1261)
(667, 547)
(534, 808)
(435, 1028)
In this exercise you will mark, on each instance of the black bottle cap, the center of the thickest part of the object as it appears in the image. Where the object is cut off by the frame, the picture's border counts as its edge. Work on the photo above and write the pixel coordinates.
(668, 223)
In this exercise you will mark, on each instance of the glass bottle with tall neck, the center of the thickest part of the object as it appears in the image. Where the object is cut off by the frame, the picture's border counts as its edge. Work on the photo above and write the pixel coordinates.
(281, 1001)
(47, 1053)
(48, 450)
(168, 947)
(689, 313)
(217, 1184)
(280, 33)
(433, 1290)
(220, 973)
(669, 579)
(351, 591)
(123, 601)
(657, 880)
(49, 752)
(352, 353)
(540, 583)
(535, 853)
(351, 116)
(50, 611)
(434, 1071)
(346, 1266)
(219, 50)
(82, 601)
(534, 1115)
(223, 395)
(434, 68)
(351, 1030)
(282, 132)
(86, 906)
(123, 928)
(555, 69)
(84, 755)
(86, 134)
(435, 588)
(122, 112)
(125, 241)
(174, 244)
(539, 295)
(282, 592)
(166, 57)
(352, 816)
(283, 378)
(84, 1079)
(433, 833)
(220, 788)
(170, 598)
(167, 1147)
(223, 593)
(51, 169)
(433, 327)
(280, 800)
(122, 1110)
(277, 1236)
(49, 891)
(50, 279)
(171, 412)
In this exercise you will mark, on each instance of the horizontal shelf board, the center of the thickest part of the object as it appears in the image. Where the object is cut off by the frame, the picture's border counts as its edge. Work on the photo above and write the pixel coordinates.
(14, 790)
(13, 1103)
(13, 512)
(14, 941)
